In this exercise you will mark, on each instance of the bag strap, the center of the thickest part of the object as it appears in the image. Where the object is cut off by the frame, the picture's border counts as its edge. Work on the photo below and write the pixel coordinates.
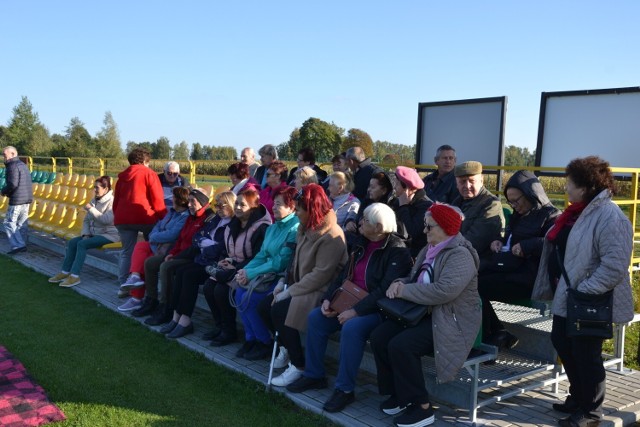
(564, 271)
(351, 266)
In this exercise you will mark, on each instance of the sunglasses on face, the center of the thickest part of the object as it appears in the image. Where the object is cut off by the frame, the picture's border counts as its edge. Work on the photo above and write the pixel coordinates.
(172, 173)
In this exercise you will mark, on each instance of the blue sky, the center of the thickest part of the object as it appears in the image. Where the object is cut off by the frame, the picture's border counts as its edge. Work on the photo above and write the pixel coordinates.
(248, 73)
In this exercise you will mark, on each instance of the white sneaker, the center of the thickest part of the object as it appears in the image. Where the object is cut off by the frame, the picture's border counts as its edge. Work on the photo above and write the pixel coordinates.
(282, 359)
(130, 305)
(287, 377)
(133, 281)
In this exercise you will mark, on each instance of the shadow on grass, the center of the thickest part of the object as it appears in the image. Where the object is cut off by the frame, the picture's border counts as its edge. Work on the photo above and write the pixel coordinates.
(103, 369)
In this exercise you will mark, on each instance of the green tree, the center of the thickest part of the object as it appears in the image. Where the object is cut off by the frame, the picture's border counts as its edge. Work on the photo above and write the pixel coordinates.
(181, 151)
(78, 140)
(358, 137)
(39, 143)
(221, 153)
(161, 148)
(198, 152)
(404, 154)
(132, 144)
(518, 156)
(107, 142)
(21, 126)
(325, 139)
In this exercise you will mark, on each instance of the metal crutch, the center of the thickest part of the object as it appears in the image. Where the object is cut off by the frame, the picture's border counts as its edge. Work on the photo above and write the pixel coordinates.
(273, 354)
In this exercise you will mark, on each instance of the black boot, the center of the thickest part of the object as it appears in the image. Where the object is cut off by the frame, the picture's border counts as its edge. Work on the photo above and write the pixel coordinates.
(147, 307)
(161, 316)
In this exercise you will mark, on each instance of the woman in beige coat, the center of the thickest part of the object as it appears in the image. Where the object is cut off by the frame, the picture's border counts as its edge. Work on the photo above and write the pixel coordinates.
(97, 230)
(320, 255)
(445, 277)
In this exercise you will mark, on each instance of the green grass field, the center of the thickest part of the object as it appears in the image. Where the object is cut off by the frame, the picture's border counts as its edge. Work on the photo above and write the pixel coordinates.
(103, 369)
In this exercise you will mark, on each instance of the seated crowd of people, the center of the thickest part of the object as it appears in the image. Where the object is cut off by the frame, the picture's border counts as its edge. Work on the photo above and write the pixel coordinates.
(278, 247)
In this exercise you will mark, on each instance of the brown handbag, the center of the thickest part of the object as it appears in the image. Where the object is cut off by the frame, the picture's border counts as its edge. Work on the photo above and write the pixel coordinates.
(348, 294)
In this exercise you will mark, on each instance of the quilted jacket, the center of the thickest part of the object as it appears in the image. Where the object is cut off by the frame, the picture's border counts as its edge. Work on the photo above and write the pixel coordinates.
(453, 294)
(597, 259)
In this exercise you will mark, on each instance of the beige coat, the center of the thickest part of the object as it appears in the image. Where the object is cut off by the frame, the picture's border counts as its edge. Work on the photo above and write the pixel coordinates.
(456, 314)
(99, 219)
(320, 256)
(596, 259)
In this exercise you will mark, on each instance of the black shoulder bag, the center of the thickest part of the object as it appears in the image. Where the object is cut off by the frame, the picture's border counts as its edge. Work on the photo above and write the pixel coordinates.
(588, 315)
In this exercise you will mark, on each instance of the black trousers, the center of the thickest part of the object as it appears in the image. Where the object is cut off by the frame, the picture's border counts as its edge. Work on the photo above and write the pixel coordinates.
(187, 279)
(504, 287)
(274, 316)
(224, 315)
(398, 351)
(582, 360)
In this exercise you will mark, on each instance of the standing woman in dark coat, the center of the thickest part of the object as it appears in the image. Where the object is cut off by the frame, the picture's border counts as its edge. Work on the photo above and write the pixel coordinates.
(533, 215)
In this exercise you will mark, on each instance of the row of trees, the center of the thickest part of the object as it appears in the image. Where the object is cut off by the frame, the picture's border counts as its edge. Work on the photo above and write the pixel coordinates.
(25, 131)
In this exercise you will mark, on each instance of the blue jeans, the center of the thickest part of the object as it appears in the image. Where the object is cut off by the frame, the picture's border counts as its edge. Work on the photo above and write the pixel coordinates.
(77, 252)
(353, 338)
(16, 225)
(254, 327)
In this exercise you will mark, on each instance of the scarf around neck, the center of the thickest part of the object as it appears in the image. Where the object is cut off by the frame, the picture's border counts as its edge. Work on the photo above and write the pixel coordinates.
(566, 219)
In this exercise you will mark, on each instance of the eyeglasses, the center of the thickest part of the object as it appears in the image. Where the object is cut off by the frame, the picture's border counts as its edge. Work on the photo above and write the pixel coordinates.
(172, 173)
(272, 174)
(516, 201)
(430, 226)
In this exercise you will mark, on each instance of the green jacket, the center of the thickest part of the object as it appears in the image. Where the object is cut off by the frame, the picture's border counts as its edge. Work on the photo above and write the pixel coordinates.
(277, 248)
(484, 220)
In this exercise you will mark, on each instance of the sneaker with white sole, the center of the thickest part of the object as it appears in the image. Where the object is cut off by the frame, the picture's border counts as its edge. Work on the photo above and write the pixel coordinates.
(282, 359)
(58, 277)
(133, 281)
(290, 375)
(70, 282)
(130, 305)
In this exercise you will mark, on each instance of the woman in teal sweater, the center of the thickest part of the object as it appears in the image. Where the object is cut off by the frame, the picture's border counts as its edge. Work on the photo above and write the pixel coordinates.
(271, 262)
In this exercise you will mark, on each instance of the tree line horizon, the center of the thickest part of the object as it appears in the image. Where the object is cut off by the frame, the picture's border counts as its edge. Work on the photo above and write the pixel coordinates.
(30, 136)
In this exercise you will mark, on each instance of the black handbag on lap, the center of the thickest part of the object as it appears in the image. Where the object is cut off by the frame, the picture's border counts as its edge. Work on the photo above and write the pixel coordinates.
(588, 315)
(407, 313)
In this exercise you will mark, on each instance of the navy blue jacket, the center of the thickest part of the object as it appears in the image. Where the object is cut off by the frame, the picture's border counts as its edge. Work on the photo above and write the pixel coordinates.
(18, 186)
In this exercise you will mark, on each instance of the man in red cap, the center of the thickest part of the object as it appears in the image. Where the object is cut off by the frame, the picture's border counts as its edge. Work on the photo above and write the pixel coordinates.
(410, 205)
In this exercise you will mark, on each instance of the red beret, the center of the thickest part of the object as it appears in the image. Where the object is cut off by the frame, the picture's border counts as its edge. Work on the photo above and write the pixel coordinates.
(410, 177)
(446, 217)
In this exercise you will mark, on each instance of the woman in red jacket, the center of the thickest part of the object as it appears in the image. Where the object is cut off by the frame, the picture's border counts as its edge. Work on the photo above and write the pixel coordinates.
(138, 203)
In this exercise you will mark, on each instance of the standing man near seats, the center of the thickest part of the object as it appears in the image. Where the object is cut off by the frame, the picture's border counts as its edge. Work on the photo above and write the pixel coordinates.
(169, 178)
(248, 157)
(362, 169)
(18, 190)
(441, 184)
(484, 220)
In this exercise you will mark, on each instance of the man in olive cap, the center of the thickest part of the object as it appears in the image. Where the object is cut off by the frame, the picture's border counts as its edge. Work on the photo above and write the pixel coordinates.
(484, 220)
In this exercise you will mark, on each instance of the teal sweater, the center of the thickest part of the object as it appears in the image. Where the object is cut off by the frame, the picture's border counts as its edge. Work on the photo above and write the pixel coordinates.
(275, 253)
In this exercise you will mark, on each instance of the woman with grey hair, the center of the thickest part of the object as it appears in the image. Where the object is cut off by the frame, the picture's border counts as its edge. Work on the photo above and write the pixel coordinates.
(378, 258)
(268, 154)
(345, 204)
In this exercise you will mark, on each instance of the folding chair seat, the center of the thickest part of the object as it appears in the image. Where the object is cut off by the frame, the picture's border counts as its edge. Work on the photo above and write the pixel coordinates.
(56, 219)
(67, 223)
(47, 215)
(82, 197)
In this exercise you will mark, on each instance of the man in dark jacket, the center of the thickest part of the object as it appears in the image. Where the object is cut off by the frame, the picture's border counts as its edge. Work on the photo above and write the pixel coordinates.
(18, 190)
(441, 184)
(484, 220)
(362, 169)
(306, 157)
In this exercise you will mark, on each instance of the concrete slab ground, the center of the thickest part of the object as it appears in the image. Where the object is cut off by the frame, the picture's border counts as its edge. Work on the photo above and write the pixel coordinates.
(533, 408)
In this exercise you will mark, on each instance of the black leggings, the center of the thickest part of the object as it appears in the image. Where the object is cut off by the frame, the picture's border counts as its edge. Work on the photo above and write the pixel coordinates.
(224, 315)
(274, 317)
(186, 282)
(504, 287)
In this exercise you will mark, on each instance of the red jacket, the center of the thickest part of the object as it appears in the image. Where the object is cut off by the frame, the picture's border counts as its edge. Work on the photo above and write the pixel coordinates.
(190, 227)
(138, 197)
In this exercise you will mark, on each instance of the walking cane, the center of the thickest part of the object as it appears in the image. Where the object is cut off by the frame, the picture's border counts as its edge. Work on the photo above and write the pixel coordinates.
(273, 354)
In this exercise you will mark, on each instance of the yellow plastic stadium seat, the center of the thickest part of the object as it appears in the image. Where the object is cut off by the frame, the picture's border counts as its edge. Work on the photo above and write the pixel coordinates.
(113, 245)
(56, 219)
(4, 202)
(67, 223)
(82, 197)
(35, 213)
(47, 216)
(73, 180)
(45, 192)
(59, 178)
(55, 191)
(90, 181)
(71, 195)
(82, 180)
(77, 225)
(63, 193)
(35, 189)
